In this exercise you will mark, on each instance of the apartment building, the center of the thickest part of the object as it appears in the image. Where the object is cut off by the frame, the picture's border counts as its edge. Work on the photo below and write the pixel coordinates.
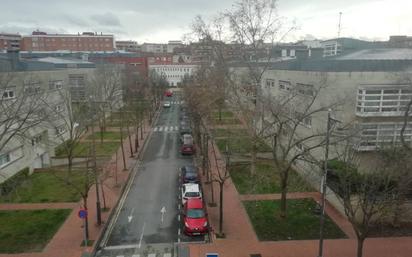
(9, 42)
(87, 41)
(174, 73)
(372, 88)
(128, 46)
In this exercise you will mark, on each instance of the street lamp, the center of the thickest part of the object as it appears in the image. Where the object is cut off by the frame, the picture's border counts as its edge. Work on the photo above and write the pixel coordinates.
(323, 181)
(98, 209)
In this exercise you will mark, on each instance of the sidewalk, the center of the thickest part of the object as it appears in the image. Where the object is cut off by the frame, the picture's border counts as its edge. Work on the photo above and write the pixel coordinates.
(66, 242)
(241, 240)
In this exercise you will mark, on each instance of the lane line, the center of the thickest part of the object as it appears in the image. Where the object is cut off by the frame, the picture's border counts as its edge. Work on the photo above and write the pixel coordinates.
(141, 236)
(178, 231)
(178, 218)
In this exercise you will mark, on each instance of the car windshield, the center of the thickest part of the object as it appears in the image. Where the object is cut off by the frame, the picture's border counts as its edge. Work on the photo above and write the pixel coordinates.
(190, 175)
(192, 194)
(195, 213)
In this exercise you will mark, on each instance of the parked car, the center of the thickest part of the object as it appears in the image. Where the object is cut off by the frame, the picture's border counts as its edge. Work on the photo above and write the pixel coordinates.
(194, 217)
(186, 139)
(168, 93)
(189, 174)
(190, 191)
(166, 104)
(185, 129)
(187, 149)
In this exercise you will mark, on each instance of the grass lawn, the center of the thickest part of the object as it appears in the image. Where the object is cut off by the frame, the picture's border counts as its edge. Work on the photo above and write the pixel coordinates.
(240, 145)
(265, 181)
(29, 230)
(43, 187)
(225, 114)
(229, 132)
(225, 121)
(108, 135)
(83, 149)
(301, 223)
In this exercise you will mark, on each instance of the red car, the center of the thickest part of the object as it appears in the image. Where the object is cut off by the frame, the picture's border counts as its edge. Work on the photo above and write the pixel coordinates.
(195, 218)
(188, 149)
(169, 93)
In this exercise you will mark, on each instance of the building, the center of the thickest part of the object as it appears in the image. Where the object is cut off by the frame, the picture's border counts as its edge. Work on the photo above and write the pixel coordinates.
(132, 62)
(174, 73)
(173, 44)
(337, 46)
(53, 87)
(400, 42)
(86, 42)
(371, 86)
(154, 48)
(9, 42)
(128, 46)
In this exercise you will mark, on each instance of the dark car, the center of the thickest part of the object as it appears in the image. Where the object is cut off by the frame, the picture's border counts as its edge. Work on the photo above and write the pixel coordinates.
(189, 174)
(185, 130)
(187, 149)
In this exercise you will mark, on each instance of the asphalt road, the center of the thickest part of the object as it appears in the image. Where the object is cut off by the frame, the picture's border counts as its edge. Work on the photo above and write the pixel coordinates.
(148, 221)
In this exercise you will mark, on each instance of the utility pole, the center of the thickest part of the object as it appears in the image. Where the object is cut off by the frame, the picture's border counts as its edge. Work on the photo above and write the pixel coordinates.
(323, 181)
(339, 26)
(98, 210)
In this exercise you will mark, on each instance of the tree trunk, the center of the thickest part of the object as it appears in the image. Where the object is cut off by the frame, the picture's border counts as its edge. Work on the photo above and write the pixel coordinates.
(284, 191)
(130, 141)
(359, 251)
(221, 208)
(136, 139)
(122, 147)
(253, 159)
(86, 219)
(103, 195)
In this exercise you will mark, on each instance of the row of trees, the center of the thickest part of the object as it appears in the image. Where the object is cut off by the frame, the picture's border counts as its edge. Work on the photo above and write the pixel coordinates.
(368, 197)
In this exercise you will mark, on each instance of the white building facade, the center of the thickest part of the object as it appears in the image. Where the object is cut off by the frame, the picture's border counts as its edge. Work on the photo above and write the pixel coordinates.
(174, 73)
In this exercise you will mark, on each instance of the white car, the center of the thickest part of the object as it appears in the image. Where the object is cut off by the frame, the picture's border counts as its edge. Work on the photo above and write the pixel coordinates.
(190, 190)
(166, 104)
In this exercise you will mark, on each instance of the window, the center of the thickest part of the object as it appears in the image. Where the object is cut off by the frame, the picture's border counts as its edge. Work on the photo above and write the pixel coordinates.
(374, 135)
(55, 84)
(58, 108)
(305, 89)
(11, 156)
(285, 85)
(32, 87)
(60, 130)
(8, 94)
(380, 101)
(36, 140)
(270, 83)
(4, 159)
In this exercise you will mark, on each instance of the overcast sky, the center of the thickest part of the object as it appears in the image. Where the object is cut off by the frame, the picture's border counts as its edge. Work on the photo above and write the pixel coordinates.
(163, 20)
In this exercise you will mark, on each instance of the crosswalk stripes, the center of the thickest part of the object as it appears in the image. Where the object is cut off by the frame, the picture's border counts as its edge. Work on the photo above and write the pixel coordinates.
(166, 128)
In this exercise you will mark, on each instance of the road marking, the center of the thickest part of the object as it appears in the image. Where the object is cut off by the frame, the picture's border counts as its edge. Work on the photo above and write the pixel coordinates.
(163, 211)
(151, 255)
(131, 215)
(136, 255)
(141, 236)
(167, 255)
(178, 217)
(176, 128)
(161, 129)
(120, 256)
(155, 129)
(120, 247)
(178, 231)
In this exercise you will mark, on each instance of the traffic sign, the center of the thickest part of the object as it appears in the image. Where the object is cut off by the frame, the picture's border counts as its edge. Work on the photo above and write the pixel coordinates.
(82, 213)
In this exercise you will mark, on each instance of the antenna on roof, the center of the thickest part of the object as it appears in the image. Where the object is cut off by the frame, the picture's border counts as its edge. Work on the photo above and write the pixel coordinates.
(339, 26)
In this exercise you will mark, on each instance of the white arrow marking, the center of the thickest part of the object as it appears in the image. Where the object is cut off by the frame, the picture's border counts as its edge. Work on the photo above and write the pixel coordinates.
(163, 211)
(130, 216)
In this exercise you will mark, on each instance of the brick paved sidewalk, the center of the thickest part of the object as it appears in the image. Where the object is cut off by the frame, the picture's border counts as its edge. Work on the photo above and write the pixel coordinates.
(66, 242)
(241, 240)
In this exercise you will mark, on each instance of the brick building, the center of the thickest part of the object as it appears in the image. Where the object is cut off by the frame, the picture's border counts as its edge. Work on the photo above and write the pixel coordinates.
(9, 42)
(138, 64)
(87, 41)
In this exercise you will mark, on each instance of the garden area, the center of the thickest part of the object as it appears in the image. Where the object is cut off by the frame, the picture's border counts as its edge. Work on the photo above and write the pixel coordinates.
(83, 149)
(301, 223)
(265, 181)
(29, 230)
(46, 187)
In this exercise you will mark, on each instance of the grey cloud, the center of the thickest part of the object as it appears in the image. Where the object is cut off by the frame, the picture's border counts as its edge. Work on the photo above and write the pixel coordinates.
(106, 19)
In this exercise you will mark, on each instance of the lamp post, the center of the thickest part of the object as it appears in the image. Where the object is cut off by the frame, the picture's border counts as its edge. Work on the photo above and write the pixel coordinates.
(98, 208)
(323, 182)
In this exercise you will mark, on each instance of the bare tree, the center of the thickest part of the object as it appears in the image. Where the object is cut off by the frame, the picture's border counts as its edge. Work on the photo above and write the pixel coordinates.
(254, 27)
(367, 196)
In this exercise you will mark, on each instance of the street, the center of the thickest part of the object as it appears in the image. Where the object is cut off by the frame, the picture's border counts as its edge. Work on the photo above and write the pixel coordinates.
(148, 219)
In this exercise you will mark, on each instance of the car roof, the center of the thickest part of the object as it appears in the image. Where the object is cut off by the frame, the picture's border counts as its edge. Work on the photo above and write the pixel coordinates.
(191, 187)
(189, 168)
(194, 203)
